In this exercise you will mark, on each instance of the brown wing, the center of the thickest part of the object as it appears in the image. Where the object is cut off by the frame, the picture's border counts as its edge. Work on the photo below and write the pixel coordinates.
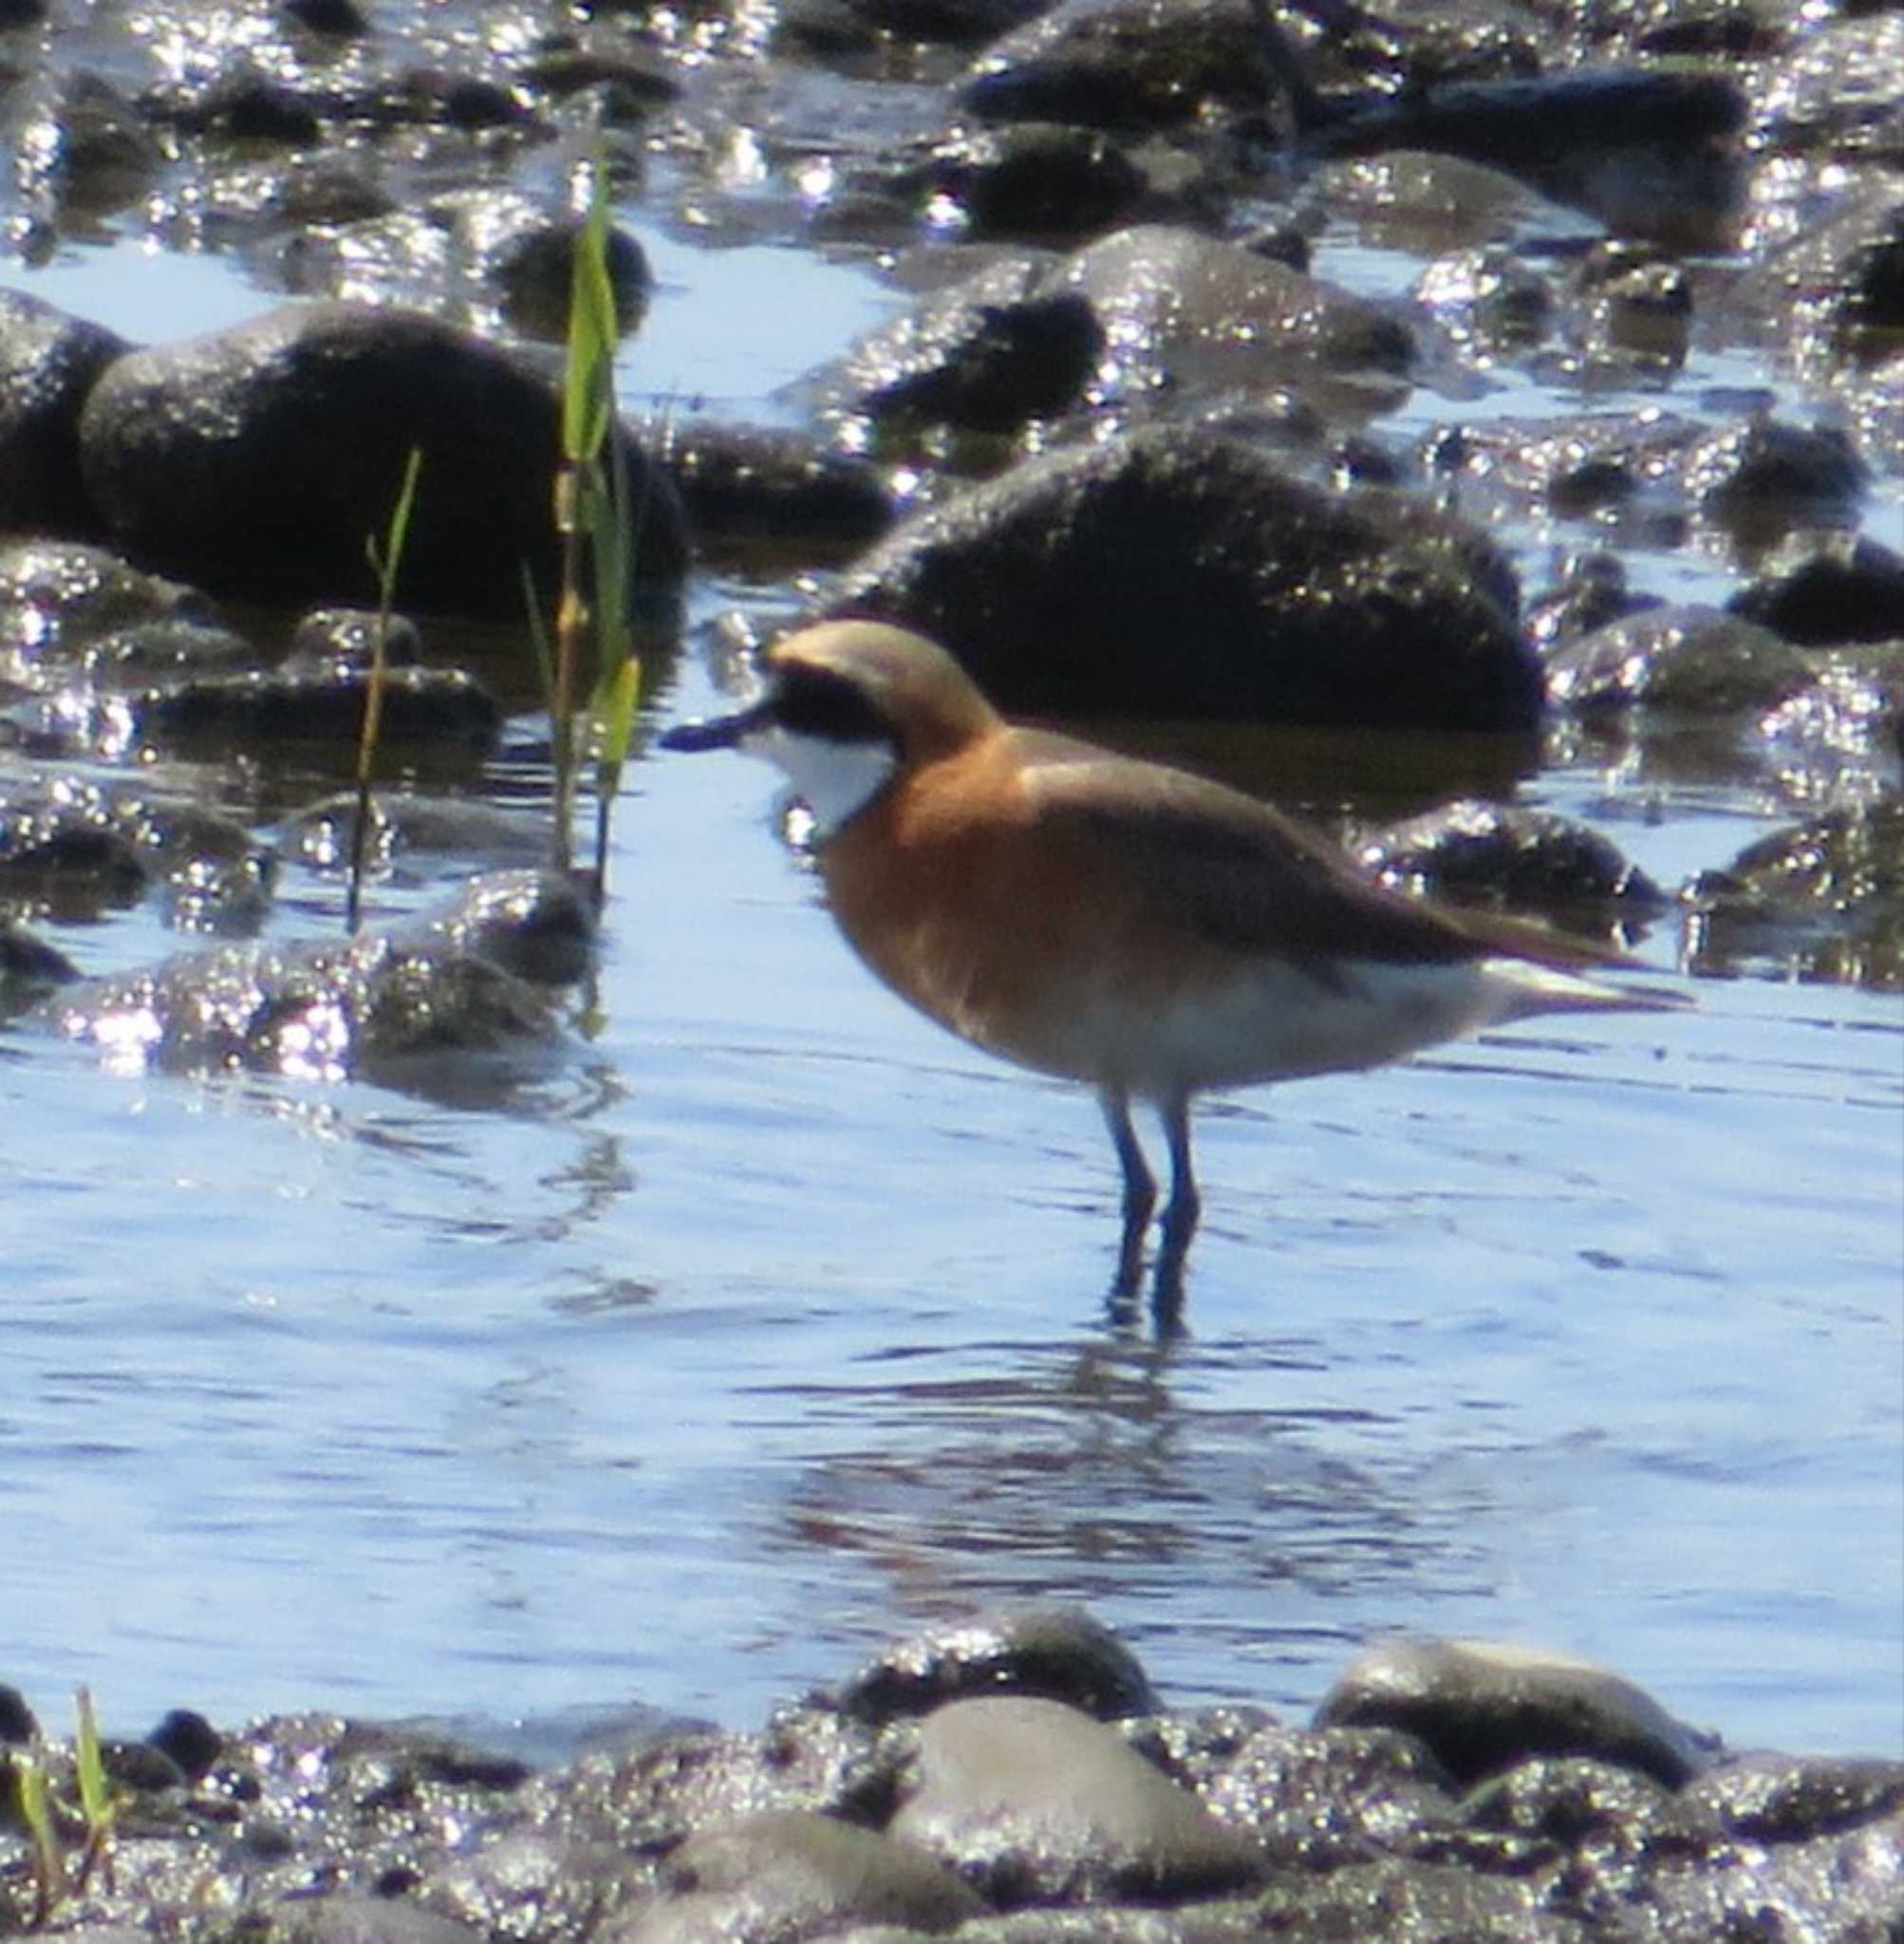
(1248, 878)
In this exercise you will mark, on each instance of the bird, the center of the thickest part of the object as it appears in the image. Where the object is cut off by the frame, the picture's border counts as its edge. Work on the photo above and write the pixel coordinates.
(1124, 923)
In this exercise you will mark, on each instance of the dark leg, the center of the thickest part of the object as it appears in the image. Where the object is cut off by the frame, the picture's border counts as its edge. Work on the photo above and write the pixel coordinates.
(1140, 1190)
(1180, 1214)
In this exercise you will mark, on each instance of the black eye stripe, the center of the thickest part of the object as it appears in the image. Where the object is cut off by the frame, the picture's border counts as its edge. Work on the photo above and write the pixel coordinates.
(815, 702)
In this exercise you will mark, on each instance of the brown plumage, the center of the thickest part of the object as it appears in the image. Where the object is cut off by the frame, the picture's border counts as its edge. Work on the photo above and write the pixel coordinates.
(1111, 921)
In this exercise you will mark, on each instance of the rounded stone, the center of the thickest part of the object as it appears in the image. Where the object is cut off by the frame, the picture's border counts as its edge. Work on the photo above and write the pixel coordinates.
(1483, 1707)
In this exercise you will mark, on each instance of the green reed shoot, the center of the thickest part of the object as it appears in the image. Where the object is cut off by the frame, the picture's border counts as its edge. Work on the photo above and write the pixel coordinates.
(384, 561)
(99, 1804)
(99, 1809)
(43, 1838)
(593, 515)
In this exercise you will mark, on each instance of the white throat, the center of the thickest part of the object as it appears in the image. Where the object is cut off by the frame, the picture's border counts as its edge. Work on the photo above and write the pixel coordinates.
(832, 780)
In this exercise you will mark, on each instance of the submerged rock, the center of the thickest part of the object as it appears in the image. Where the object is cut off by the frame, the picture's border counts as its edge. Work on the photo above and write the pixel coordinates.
(1821, 900)
(74, 847)
(1696, 663)
(407, 828)
(30, 967)
(1511, 858)
(474, 977)
(1841, 589)
(58, 595)
(444, 708)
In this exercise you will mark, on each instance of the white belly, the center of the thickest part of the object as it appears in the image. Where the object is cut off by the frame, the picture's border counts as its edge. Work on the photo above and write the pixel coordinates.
(1273, 1022)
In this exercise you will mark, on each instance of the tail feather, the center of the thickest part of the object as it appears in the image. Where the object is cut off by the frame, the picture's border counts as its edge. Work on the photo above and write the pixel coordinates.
(1528, 987)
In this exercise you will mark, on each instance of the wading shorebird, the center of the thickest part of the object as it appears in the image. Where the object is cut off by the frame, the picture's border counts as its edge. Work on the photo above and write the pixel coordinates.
(1143, 930)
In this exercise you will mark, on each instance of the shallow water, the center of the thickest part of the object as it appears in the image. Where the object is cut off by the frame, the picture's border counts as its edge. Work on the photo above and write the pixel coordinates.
(687, 1367)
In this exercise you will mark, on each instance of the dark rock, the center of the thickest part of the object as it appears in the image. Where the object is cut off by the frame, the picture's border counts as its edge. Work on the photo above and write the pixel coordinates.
(1483, 1707)
(529, 923)
(643, 1801)
(1822, 900)
(307, 1829)
(1033, 1802)
(1489, 300)
(1567, 1801)
(406, 826)
(328, 639)
(985, 355)
(76, 145)
(348, 1917)
(327, 1009)
(341, 20)
(435, 707)
(18, 1722)
(1633, 300)
(141, 1768)
(65, 849)
(1034, 180)
(1184, 574)
(1842, 588)
(152, 651)
(212, 875)
(1197, 315)
(1696, 662)
(237, 102)
(795, 1874)
(1412, 1902)
(259, 459)
(331, 189)
(1764, 479)
(189, 1740)
(527, 253)
(1508, 857)
(1591, 593)
(532, 1883)
(632, 79)
(73, 846)
(1836, 286)
(451, 97)
(1781, 1799)
(1120, 64)
(752, 486)
(29, 968)
(822, 25)
(1321, 1800)
(1059, 1653)
(48, 363)
(1652, 151)
(56, 595)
